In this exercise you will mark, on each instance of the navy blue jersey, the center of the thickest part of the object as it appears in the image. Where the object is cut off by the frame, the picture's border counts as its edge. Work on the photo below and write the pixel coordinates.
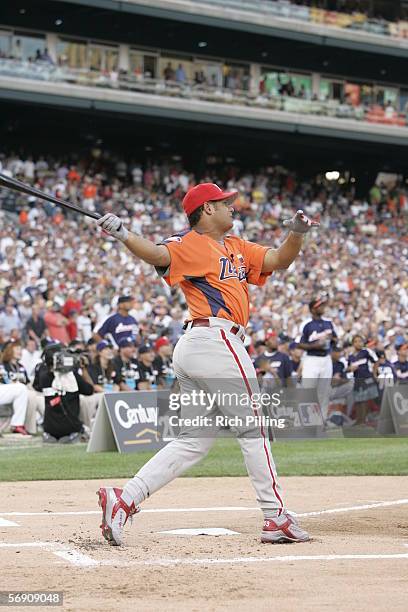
(281, 363)
(339, 368)
(364, 359)
(295, 366)
(386, 374)
(127, 372)
(321, 330)
(117, 327)
(401, 370)
(16, 372)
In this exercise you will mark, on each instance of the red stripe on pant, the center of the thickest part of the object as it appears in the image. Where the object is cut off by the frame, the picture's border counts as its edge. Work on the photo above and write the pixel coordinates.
(248, 387)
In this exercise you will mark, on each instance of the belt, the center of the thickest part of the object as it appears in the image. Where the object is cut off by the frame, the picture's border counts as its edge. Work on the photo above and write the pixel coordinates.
(234, 329)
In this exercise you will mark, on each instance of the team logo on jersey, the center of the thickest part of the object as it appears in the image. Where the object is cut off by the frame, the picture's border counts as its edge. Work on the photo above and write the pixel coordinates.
(173, 239)
(228, 269)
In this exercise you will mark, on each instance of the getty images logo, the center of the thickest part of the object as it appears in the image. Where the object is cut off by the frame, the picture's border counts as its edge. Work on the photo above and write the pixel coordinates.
(127, 416)
(400, 404)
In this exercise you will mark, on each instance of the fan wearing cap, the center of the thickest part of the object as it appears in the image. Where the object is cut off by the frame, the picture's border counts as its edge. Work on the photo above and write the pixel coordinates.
(317, 336)
(128, 374)
(214, 271)
(401, 365)
(280, 369)
(386, 375)
(119, 325)
(163, 363)
(148, 373)
(342, 386)
(295, 354)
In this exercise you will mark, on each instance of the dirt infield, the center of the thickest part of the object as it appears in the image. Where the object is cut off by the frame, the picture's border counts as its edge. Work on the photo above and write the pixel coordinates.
(49, 540)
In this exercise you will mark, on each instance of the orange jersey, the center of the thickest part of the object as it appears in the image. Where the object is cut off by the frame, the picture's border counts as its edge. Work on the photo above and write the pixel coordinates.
(214, 277)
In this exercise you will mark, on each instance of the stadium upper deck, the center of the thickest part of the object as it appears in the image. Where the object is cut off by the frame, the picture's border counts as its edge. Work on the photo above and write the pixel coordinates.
(116, 60)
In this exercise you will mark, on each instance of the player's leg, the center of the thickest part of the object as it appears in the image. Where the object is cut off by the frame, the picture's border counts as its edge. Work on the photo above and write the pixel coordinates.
(166, 465)
(15, 393)
(325, 373)
(310, 372)
(239, 380)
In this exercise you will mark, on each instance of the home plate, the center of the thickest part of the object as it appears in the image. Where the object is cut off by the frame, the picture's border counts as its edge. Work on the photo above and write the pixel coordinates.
(211, 531)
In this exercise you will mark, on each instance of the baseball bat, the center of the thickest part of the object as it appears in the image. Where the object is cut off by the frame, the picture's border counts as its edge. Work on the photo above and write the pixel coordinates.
(15, 185)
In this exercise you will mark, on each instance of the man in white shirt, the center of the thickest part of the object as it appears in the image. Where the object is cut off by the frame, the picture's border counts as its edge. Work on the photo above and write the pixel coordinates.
(30, 356)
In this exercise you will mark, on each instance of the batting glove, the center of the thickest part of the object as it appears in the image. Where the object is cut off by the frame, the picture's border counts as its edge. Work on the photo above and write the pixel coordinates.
(300, 224)
(113, 226)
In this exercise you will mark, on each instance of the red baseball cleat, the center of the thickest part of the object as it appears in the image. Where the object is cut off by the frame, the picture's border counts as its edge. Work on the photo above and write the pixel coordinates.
(115, 514)
(20, 429)
(281, 529)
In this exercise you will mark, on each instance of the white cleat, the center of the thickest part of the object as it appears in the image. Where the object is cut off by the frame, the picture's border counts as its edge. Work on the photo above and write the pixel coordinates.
(282, 529)
(115, 514)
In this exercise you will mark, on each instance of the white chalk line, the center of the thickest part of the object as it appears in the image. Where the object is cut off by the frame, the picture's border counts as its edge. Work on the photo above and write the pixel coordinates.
(247, 560)
(383, 504)
(78, 559)
(6, 523)
(60, 550)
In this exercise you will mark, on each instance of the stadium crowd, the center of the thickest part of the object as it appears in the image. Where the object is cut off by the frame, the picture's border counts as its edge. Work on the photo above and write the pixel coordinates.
(64, 281)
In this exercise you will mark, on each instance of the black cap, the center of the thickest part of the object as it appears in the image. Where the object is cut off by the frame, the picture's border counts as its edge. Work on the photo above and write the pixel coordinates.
(283, 338)
(145, 348)
(380, 353)
(337, 348)
(125, 298)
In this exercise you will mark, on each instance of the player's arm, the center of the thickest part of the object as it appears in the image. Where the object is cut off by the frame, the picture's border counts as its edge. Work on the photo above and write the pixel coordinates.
(281, 258)
(156, 255)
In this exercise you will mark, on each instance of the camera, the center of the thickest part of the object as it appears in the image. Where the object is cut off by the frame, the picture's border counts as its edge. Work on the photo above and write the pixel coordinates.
(64, 361)
(60, 359)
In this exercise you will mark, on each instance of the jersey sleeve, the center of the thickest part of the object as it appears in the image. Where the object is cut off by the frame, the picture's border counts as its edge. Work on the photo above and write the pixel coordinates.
(185, 260)
(371, 356)
(305, 334)
(254, 258)
(103, 329)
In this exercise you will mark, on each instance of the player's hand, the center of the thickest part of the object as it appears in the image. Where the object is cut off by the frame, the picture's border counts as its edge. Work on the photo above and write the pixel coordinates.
(300, 223)
(113, 226)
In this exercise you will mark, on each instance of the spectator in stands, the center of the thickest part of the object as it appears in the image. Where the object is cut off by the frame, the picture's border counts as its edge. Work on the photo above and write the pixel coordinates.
(168, 72)
(9, 320)
(16, 372)
(35, 327)
(148, 374)
(163, 362)
(46, 57)
(180, 75)
(128, 375)
(401, 364)
(56, 323)
(30, 357)
(385, 375)
(342, 387)
(16, 394)
(200, 78)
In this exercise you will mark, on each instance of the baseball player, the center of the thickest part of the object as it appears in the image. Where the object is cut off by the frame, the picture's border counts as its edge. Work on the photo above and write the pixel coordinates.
(119, 325)
(342, 387)
(363, 362)
(317, 368)
(214, 271)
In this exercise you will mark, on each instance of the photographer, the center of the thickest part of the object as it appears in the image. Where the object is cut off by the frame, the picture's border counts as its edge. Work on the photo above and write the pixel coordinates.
(16, 372)
(57, 377)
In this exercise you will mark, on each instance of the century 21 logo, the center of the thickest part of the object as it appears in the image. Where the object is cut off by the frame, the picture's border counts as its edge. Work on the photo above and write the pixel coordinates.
(228, 269)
